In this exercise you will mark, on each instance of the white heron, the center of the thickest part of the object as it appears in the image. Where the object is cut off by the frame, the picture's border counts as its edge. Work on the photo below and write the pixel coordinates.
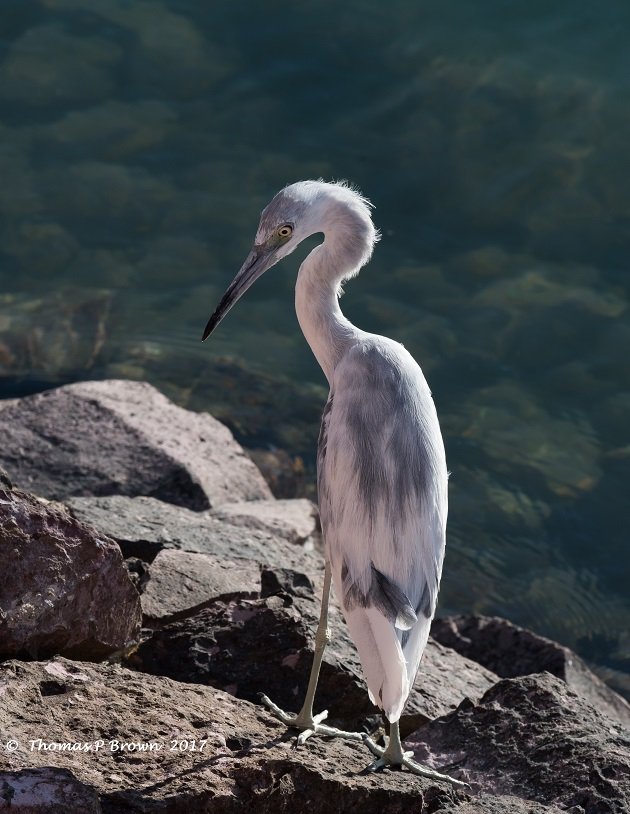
(381, 467)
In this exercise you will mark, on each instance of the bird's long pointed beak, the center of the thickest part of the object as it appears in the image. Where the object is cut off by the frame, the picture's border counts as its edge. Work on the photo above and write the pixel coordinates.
(258, 261)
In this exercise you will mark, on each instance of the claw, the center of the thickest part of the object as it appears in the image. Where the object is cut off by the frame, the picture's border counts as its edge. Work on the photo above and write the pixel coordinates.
(310, 725)
(376, 765)
(303, 737)
(385, 760)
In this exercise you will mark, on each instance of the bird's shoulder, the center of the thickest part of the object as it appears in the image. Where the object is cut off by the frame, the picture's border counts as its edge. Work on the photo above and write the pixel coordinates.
(381, 367)
(381, 423)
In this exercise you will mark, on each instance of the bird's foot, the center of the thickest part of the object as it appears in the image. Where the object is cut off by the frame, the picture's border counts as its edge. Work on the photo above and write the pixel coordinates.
(308, 723)
(396, 757)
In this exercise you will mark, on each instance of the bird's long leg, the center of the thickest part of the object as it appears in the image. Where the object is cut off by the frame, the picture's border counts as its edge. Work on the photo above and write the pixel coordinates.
(305, 720)
(394, 755)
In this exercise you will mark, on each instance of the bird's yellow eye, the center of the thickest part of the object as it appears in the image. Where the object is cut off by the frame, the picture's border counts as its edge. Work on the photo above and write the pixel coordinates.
(285, 231)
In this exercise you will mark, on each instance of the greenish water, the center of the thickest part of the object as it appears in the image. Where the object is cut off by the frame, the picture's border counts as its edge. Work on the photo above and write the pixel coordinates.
(139, 141)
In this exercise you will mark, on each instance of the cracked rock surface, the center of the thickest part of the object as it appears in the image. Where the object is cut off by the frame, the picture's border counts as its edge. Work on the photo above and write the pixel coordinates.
(192, 748)
(250, 645)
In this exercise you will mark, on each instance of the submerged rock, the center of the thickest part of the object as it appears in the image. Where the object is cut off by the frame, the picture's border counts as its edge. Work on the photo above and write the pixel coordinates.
(49, 339)
(123, 437)
(102, 195)
(66, 588)
(113, 130)
(39, 247)
(47, 66)
(516, 430)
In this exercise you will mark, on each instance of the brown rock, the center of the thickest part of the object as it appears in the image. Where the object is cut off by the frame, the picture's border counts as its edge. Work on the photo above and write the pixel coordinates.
(444, 679)
(181, 582)
(510, 651)
(65, 587)
(535, 738)
(123, 437)
(249, 646)
(192, 748)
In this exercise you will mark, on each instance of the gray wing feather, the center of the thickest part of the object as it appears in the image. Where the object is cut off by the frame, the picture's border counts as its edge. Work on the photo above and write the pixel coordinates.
(383, 594)
(383, 489)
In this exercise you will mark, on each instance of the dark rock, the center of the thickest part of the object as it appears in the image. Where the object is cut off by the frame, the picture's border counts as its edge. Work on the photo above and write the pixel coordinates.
(144, 526)
(284, 580)
(535, 738)
(65, 587)
(212, 752)
(46, 790)
(444, 678)
(138, 571)
(247, 646)
(294, 520)
(181, 582)
(5, 480)
(510, 651)
(124, 438)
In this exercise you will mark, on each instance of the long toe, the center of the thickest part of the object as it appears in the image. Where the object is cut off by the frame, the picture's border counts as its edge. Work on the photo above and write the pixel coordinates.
(424, 771)
(287, 718)
(376, 765)
(385, 760)
(309, 724)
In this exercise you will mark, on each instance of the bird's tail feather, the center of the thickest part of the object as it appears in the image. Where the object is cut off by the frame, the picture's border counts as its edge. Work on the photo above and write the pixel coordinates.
(381, 658)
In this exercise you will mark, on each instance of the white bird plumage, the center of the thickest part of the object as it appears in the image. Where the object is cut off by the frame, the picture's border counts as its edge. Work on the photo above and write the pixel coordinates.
(383, 503)
(382, 477)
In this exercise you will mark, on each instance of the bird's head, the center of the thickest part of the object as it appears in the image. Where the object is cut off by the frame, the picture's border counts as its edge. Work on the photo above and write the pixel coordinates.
(282, 228)
(295, 213)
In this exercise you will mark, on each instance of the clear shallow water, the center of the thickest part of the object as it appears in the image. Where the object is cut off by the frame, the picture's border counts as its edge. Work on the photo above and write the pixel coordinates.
(139, 141)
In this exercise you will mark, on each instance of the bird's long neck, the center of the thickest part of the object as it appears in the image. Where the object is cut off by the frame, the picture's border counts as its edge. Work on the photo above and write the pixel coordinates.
(325, 328)
(348, 241)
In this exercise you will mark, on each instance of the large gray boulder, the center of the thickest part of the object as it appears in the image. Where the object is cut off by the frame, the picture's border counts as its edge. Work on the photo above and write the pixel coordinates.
(144, 526)
(123, 438)
(65, 588)
(193, 748)
(295, 520)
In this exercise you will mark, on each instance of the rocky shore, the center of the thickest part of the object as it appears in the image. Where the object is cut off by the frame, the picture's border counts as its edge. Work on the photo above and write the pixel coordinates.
(153, 587)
